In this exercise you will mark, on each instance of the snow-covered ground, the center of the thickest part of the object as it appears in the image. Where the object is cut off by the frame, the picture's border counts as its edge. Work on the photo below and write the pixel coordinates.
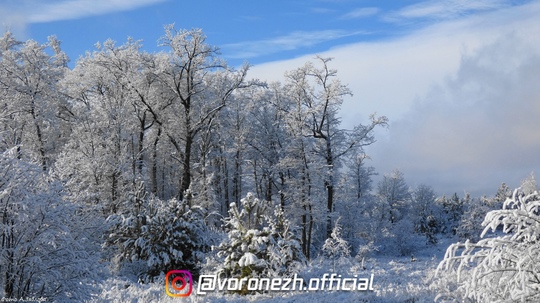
(396, 279)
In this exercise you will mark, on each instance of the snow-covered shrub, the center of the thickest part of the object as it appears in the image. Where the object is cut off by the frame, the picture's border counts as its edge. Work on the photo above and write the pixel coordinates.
(165, 235)
(260, 241)
(404, 239)
(503, 267)
(365, 251)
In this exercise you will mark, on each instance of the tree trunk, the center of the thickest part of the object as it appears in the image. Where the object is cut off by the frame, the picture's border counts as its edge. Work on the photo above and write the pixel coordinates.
(114, 191)
(186, 173)
(226, 196)
(330, 200)
(140, 146)
(269, 189)
(39, 135)
(153, 174)
(237, 178)
(329, 186)
(310, 231)
(282, 191)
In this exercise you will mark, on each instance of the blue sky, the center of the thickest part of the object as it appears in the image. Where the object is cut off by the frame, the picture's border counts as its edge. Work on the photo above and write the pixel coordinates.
(257, 31)
(456, 78)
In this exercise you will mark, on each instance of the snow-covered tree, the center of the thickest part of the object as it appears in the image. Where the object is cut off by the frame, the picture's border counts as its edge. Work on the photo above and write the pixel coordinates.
(33, 112)
(452, 210)
(529, 185)
(321, 99)
(260, 240)
(394, 195)
(398, 217)
(501, 267)
(297, 161)
(101, 162)
(44, 249)
(470, 224)
(200, 84)
(424, 212)
(268, 141)
(474, 210)
(164, 234)
(286, 255)
(360, 175)
(503, 193)
(336, 247)
(356, 201)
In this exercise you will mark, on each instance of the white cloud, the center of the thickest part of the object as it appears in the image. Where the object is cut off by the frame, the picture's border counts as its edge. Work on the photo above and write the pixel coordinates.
(477, 129)
(16, 15)
(74, 9)
(461, 96)
(361, 13)
(294, 40)
(445, 9)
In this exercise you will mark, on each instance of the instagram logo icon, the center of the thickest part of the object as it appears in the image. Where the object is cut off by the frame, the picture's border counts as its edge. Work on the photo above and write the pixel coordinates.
(178, 283)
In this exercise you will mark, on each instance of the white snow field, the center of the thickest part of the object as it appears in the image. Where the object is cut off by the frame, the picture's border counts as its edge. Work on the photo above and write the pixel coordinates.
(396, 279)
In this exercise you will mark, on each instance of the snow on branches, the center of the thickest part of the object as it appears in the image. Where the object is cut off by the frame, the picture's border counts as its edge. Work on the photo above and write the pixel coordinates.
(260, 240)
(164, 234)
(336, 247)
(44, 249)
(504, 267)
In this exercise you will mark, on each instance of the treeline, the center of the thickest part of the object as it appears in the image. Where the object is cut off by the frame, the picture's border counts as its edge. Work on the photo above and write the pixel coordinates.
(181, 123)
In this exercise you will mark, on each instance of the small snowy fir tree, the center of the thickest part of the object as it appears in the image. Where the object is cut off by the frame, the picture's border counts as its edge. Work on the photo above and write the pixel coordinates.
(259, 242)
(164, 234)
(247, 240)
(286, 254)
(335, 247)
(503, 267)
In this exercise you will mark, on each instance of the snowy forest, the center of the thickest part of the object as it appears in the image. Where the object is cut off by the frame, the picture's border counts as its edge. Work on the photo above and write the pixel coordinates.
(131, 164)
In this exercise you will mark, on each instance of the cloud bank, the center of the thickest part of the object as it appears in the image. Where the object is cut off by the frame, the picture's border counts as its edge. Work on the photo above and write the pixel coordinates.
(477, 129)
(461, 96)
